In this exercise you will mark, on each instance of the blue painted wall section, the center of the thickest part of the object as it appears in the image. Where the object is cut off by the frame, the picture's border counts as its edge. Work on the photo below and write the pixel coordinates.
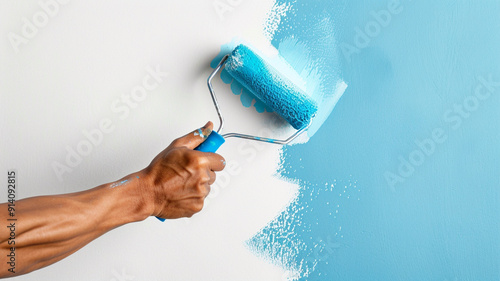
(414, 143)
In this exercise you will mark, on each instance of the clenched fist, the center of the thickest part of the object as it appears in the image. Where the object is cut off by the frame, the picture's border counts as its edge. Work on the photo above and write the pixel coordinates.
(179, 178)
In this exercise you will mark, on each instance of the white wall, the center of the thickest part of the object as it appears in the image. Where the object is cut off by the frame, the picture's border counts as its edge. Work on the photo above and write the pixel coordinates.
(64, 80)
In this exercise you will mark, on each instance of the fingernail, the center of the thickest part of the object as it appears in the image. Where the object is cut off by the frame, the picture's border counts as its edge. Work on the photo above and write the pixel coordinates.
(206, 125)
(203, 132)
(206, 132)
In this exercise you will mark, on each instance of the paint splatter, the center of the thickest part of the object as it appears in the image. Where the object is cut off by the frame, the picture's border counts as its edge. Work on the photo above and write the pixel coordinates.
(203, 132)
(199, 133)
(308, 233)
(274, 16)
(304, 236)
(119, 183)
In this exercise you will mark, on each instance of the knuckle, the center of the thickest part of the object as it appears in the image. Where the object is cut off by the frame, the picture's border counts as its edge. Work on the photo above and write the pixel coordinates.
(197, 207)
(176, 142)
(204, 178)
(193, 158)
(202, 161)
(176, 153)
(202, 189)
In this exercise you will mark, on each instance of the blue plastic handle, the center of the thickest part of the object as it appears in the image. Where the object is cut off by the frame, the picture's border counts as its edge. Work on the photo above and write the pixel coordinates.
(211, 144)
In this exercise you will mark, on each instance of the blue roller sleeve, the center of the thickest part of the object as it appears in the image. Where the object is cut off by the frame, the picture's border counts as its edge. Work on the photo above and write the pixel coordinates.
(211, 144)
(272, 88)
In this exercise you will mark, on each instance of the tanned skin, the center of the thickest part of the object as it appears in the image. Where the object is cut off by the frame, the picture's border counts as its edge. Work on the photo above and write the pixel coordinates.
(50, 228)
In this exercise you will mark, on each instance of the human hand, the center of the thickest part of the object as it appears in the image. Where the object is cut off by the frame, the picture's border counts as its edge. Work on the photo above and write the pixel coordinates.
(179, 178)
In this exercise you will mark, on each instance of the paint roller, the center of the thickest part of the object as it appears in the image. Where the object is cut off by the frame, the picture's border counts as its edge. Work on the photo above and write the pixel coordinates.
(269, 86)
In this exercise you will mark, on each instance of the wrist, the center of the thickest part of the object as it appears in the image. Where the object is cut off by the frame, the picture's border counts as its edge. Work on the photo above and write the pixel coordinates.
(145, 205)
(129, 199)
(140, 195)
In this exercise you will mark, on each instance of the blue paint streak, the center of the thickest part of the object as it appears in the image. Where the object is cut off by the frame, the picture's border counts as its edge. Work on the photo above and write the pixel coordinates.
(443, 221)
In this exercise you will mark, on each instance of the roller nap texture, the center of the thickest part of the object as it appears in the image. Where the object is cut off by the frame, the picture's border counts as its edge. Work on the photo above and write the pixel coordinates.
(270, 87)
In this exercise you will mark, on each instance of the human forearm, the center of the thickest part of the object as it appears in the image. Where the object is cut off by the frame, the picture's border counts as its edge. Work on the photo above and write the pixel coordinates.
(50, 228)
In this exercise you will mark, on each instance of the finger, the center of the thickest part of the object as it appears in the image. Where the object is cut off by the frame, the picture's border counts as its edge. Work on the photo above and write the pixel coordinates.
(202, 186)
(195, 205)
(212, 177)
(204, 189)
(215, 161)
(208, 191)
(195, 138)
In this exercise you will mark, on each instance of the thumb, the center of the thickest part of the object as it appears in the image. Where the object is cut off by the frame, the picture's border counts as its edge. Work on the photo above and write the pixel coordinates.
(195, 138)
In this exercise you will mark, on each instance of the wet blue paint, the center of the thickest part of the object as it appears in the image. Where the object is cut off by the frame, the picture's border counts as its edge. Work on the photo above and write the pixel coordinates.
(247, 98)
(271, 87)
(199, 132)
(442, 221)
(119, 183)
